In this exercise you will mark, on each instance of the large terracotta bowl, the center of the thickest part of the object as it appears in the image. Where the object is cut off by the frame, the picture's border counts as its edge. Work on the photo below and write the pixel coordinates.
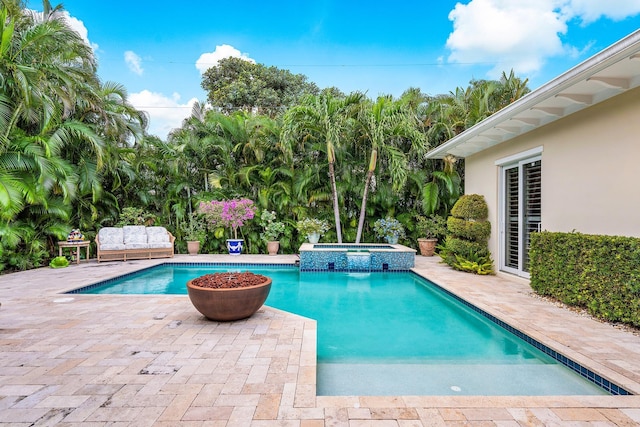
(229, 304)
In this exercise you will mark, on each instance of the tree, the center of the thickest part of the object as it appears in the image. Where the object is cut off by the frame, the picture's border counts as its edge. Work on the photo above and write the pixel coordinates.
(383, 125)
(238, 85)
(323, 118)
(58, 128)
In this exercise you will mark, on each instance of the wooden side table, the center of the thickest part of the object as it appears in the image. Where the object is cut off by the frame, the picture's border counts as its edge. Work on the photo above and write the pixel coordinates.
(75, 245)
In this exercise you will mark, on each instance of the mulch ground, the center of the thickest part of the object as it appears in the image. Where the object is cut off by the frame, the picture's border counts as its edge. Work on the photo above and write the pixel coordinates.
(229, 280)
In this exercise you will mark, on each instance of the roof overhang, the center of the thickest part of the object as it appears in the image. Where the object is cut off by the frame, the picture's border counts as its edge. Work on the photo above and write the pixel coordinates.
(611, 72)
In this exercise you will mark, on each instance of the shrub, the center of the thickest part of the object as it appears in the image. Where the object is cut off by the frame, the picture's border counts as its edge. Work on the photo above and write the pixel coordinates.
(471, 207)
(466, 246)
(59, 262)
(598, 273)
(135, 216)
(434, 227)
(478, 231)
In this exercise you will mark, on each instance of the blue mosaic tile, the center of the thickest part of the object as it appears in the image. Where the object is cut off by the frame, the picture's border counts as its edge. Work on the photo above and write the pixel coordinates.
(379, 259)
(583, 371)
(181, 264)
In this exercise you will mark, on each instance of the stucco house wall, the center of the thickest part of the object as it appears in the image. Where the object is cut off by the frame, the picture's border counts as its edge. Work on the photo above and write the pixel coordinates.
(590, 170)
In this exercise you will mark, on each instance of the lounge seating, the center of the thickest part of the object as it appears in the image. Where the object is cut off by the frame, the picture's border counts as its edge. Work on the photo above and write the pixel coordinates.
(133, 242)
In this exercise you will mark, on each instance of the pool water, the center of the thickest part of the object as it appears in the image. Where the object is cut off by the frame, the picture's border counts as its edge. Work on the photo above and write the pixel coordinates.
(391, 334)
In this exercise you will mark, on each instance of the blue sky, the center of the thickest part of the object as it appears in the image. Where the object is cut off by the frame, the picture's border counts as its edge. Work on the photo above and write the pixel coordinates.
(158, 49)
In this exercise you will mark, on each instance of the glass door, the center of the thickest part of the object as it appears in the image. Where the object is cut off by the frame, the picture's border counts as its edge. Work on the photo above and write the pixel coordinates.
(521, 213)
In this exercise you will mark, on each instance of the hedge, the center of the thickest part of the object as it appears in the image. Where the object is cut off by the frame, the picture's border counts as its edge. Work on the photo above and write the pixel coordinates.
(471, 206)
(478, 231)
(598, 273)
(463, 247)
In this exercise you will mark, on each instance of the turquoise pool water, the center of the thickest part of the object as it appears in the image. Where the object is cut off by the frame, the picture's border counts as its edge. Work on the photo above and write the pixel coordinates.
(391, 334)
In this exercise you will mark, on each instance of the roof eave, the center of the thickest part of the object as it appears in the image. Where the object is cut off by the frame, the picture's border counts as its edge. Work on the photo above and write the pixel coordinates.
(619, 51)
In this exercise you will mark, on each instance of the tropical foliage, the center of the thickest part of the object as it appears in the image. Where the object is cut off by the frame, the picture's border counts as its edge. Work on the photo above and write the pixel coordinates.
(62, 135)
(307, 226)
(74, 154)
(389, 228)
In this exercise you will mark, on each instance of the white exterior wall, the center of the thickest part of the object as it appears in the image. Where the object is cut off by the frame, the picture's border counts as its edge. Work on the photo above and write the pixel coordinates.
(590, 171)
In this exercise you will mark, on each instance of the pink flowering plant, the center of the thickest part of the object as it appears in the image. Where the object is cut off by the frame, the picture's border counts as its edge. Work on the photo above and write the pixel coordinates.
(228, 213)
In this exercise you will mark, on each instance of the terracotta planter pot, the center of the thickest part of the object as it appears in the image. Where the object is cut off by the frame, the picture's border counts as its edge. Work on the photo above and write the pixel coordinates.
(427, 246)
(193, 247)
(228, 304)
(272, 247)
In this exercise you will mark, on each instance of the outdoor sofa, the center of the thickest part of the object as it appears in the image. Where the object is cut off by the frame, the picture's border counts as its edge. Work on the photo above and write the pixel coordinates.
(133, 242)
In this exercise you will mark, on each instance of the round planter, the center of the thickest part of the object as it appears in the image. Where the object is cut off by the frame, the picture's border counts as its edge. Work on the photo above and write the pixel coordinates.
(193, 247)
(272, 247)
(392, 240)
(234, 246)
(427, 246)
(313, 237)
(229, 303)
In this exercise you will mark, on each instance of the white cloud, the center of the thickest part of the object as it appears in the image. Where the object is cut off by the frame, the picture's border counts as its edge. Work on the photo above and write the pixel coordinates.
(522, 34)
(134, 62)
(78, 27)
(165, 113)
(73, 23)
(511, 34)
(591, 10)
(208, 60)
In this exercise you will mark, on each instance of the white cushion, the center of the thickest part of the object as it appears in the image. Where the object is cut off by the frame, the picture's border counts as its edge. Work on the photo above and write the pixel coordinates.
(158, 238)
(110, 236)
(158, 235)
(160, 245)
(111, 246)
(134, 234)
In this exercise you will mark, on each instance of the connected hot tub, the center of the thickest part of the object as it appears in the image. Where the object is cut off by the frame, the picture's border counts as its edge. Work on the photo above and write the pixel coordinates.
(356, 257)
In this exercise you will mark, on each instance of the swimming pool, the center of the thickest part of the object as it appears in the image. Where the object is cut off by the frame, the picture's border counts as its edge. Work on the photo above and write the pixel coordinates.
(390, 334)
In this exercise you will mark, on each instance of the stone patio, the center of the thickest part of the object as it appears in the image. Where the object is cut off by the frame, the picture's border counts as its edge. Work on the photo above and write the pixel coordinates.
(129, 360)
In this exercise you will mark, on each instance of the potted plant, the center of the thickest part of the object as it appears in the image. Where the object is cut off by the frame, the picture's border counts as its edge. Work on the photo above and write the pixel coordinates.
(272, 230)
(431, 228)
(194, 232)
(312, 228)
(228, 296)
(231, 214)
(389, 229)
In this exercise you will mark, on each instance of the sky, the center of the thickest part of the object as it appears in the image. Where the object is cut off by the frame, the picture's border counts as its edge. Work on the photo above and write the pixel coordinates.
(158, 50)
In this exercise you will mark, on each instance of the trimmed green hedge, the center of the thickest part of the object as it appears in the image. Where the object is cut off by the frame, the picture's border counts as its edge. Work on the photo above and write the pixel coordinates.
(598, 273)
(478, 231)
(463, 247)
(471, 206)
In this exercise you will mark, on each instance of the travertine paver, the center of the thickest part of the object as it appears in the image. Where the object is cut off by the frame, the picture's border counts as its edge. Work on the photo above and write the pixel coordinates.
(128, 360)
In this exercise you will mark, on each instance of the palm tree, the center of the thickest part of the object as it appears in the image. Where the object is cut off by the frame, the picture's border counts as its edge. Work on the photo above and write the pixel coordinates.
(384, 124)
(323, 118)
(55, 132)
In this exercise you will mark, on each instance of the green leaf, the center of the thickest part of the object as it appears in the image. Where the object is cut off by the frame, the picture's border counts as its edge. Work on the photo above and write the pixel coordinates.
(430, 198)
